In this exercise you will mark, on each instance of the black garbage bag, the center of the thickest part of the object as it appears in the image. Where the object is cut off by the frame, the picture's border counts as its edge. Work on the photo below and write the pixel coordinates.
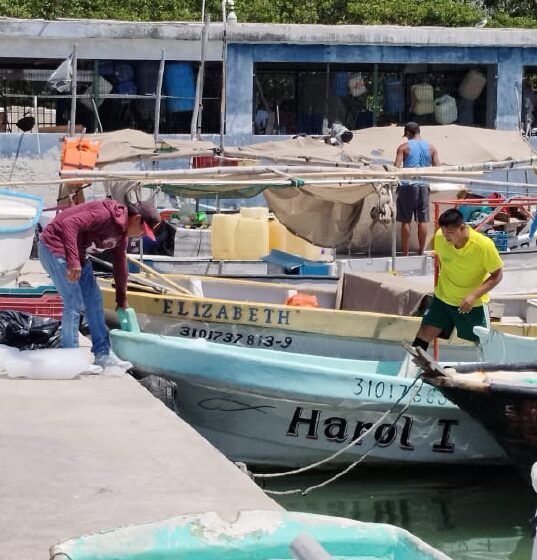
(29, 332)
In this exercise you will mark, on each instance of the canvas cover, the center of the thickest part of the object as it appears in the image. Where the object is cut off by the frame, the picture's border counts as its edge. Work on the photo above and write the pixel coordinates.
(456, 145)
(128, 145)
(382, 292)
(327, 215)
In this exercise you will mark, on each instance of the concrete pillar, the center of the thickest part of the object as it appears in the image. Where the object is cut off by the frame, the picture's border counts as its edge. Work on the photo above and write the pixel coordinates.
(239, 91)
(509, 90)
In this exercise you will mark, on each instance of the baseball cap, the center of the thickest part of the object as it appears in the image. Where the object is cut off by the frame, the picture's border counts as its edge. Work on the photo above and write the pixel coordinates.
(412, 127)
(150, 217)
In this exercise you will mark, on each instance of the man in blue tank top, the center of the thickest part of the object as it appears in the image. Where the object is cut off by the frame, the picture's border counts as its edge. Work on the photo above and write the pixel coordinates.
(413, 196)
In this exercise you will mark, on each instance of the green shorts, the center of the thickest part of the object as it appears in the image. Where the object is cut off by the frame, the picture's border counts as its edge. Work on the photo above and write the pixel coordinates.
(447, 317)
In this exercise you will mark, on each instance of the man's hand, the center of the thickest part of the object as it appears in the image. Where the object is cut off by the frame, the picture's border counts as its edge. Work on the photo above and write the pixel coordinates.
(73, 274)
(466, 304)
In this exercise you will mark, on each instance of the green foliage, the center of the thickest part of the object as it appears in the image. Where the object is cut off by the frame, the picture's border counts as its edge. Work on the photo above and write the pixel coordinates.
(451, 13)
(503, 9)
(505, 20)
(129, 10)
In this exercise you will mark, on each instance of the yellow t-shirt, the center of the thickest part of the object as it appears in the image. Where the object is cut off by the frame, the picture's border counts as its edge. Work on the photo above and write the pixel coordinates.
(463, 270)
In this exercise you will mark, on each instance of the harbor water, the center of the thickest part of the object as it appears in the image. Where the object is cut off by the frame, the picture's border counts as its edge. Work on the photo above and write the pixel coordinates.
(469, 514)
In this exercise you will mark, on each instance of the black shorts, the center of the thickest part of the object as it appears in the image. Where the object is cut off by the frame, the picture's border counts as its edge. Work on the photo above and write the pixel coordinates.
(412, 202)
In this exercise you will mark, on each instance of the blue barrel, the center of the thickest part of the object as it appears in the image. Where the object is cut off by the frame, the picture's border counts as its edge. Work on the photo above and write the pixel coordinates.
(180, 84)
(341, 81)
(394, 96)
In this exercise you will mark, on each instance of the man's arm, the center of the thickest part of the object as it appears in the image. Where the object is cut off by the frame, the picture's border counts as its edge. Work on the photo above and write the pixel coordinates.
(71, 228)
(400, 155)
(434, 156)
(493, 280)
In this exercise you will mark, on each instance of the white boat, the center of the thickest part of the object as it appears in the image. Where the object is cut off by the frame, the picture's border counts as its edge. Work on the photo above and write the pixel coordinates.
(19, 214)
(273, 409)
(520, 269)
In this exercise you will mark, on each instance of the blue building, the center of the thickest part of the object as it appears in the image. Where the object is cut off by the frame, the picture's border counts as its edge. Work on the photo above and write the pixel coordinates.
(280, 79)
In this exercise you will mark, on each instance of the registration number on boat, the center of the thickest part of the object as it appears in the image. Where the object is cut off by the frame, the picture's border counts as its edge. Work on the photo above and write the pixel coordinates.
(268, 341)
(381, 390)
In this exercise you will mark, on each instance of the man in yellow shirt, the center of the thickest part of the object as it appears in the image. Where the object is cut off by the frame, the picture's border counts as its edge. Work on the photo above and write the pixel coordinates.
(470, 266)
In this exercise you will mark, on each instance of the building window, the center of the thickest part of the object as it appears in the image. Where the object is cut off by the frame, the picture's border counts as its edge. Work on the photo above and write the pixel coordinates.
(111, 95)
(307, 98)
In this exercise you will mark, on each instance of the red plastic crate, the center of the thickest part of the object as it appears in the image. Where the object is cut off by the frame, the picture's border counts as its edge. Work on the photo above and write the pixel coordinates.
(47, 305)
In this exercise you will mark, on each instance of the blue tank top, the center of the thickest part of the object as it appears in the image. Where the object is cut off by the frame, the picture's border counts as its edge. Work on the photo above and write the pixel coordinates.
(419, 154)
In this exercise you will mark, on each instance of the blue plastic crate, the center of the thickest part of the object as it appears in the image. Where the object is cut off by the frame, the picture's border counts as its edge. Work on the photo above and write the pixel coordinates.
(499, 238)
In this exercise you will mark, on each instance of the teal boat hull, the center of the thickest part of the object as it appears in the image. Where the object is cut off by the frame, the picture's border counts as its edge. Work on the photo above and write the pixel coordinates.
(281, 409)
(254, 535)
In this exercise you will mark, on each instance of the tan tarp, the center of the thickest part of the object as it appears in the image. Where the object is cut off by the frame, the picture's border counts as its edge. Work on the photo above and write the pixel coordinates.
(381, 292)
(307, 149)
(325, 216)
(128, 145)
(331, 215)
(123, 145)
(456, 145)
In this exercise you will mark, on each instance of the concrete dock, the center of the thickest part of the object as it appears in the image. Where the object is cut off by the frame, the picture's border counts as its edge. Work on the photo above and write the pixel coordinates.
(98, 452)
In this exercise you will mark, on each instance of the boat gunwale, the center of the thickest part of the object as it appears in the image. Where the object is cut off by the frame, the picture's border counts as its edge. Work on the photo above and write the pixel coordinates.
(31, 223)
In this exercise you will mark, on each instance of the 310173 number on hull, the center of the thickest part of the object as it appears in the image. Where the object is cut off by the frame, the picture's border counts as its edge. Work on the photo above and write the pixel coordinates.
(228, 337)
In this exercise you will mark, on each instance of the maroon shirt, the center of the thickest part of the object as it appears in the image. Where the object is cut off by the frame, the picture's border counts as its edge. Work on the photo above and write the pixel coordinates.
(91, 228)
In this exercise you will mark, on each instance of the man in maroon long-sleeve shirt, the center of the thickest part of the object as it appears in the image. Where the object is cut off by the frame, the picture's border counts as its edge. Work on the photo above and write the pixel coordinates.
(64, 246)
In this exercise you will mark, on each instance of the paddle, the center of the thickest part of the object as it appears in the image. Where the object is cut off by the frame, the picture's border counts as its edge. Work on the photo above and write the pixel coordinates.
(160, 276)
(136, 279)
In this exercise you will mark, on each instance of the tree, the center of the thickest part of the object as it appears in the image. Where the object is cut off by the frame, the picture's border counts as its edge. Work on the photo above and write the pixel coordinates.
(451, 13)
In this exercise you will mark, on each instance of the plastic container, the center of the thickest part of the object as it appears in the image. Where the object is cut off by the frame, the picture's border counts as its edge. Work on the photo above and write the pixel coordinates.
(277, 236)
(422, 99)
(123, 72)
(499, 238)
(472, 85)
(394, 96)
(445, 109)
(223, 236)
(126, 88)
(341, 84)
(298, 246)
(254, 212)
(47, 305)
(251, 239)
(179, 83)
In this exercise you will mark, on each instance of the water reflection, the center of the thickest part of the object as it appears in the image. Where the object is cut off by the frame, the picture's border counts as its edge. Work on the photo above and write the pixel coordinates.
(468, 514)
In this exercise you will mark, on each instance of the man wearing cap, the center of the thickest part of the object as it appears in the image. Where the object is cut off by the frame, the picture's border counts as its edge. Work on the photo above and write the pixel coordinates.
(413, 196)
(64, 246)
